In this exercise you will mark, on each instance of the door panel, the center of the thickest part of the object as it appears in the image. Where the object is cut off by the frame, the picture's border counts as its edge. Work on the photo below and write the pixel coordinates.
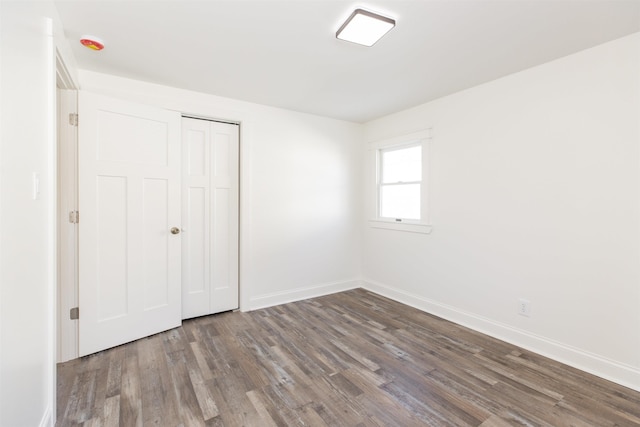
(156, 205)
(111, 236)
(210, 209)
(129, 196)
(196, 252)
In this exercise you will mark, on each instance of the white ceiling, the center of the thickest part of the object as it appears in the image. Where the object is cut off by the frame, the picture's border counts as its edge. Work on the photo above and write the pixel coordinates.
(285, 54)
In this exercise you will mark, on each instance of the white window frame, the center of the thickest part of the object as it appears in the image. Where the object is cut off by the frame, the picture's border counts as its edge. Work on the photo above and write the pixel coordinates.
(380, 184)
(423, 225)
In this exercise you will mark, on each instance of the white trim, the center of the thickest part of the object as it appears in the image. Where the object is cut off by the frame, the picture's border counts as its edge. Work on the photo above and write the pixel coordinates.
(47, 418)
(2, 246)
(277, 298)
(64, 70)
(412, 227)
(422, 138)
(244, 226)
(67, 182)
(51, 192)
(409, 143)
(63, 76)
(600, 366)
(401, 140)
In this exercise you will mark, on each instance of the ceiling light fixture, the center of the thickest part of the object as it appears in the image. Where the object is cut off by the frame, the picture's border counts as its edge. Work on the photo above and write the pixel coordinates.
(365, 28)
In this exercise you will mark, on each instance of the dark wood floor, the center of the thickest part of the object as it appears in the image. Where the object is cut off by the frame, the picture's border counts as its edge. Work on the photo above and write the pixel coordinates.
(349, 359)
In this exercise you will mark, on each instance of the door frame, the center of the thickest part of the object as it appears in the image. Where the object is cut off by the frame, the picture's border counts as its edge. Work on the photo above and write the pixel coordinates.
(67, 200)
(67, 334)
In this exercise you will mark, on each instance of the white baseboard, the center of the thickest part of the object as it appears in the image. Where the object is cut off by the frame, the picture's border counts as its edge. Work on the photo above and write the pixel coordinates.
(47, 418)
(277, 298)
(611, 370)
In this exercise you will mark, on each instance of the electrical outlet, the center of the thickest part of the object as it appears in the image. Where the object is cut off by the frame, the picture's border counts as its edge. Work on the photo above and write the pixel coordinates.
(524, 307)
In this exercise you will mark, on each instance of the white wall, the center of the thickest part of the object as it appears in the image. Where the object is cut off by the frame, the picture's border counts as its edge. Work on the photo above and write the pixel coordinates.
(27, 226)
(535, 194)
(301, 204)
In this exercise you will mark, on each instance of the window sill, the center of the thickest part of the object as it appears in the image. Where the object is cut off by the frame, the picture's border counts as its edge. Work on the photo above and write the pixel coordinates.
(401, 226)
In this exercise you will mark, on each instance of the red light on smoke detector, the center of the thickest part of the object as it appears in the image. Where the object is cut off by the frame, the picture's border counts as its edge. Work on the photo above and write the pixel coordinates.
(91, 42)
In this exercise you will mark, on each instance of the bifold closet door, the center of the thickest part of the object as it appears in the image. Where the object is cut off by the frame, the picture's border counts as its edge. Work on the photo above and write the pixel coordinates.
(210, 208)
(130, 207)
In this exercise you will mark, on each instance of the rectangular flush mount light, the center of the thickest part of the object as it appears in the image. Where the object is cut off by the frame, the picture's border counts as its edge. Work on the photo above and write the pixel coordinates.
(365, 28)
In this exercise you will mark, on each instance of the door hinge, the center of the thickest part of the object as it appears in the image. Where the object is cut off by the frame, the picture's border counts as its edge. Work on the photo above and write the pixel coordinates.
(74, 217)
(73, 119)
(74, 313)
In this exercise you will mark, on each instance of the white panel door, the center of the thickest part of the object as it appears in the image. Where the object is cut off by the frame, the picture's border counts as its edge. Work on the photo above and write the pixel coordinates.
(129, 200)
(210, 173)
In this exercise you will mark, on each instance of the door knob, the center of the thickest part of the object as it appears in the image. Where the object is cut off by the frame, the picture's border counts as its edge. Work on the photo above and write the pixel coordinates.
(175, 230)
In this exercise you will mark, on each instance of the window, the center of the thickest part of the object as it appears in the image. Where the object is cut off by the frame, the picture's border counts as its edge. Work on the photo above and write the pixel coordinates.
(399, 170)
(400, 178)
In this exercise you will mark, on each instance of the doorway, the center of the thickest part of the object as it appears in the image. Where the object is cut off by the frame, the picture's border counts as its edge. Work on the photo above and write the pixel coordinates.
(208, 162)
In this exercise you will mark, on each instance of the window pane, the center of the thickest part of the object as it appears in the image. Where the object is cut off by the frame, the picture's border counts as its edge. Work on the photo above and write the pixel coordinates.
(404, 165)
(400, 201)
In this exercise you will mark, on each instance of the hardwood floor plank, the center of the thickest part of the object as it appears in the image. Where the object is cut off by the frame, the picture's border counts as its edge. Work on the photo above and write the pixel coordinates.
(111, 412)
(205, 400)
(495, 421)
(186, 401)
(261, 408)
(418, 405)
(131, 395)
(66, 377)
(114, 376)
(311, 417)
(82, 394)
(351, 359)
(375, 401)
(158, 400)
(201, 358)
(233, 403)
(336, 409)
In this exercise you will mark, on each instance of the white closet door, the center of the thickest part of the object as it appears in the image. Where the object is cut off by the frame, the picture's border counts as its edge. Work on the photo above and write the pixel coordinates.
(210, 172)
(129, 199)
